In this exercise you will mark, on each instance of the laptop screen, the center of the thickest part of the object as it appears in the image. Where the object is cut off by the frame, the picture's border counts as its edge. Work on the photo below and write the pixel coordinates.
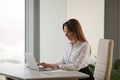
(31, 62)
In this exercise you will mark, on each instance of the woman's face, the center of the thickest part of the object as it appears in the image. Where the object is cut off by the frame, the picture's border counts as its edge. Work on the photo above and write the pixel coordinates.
(68, 34)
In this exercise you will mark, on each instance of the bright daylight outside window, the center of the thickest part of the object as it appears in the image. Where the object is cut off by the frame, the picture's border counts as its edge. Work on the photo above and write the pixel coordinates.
(12, 27)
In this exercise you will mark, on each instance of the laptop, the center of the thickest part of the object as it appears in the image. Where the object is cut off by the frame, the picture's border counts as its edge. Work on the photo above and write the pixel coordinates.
(32, 64)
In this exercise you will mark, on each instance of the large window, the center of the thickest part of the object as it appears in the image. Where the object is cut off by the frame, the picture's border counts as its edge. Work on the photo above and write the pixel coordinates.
(12, 31)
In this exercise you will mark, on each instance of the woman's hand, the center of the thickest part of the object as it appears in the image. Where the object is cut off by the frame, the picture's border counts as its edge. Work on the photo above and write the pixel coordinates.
(54, 66)
(43, 64)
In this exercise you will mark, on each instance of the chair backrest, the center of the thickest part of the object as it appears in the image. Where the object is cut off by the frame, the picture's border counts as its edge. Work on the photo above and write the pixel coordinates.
(104, 57)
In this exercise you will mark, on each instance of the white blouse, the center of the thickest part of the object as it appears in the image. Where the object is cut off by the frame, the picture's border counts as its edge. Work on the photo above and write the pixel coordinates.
(75, 56)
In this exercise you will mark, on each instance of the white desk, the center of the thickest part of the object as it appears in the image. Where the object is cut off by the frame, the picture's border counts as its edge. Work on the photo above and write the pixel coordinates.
(20, 72)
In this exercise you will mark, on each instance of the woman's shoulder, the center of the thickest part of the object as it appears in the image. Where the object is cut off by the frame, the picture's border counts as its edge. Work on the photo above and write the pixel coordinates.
(84, 44)
(79, 43)
(68, 43)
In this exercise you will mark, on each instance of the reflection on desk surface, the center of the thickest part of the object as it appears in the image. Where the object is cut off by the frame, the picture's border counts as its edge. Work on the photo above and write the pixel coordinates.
(20, 71)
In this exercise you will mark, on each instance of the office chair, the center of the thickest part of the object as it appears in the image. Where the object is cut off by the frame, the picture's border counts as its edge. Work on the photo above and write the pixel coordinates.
(104, 57)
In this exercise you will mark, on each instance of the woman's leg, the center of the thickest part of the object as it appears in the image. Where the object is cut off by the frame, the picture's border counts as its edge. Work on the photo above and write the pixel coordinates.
(9, 78)
(87, 71)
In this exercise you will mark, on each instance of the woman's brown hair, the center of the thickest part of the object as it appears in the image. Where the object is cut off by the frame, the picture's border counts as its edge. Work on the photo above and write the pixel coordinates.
(74, 26)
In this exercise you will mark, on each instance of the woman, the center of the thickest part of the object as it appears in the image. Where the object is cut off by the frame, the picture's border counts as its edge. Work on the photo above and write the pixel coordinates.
(77, 51)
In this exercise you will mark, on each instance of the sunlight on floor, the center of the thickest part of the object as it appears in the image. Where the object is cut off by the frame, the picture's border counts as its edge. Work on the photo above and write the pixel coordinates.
(2, 77)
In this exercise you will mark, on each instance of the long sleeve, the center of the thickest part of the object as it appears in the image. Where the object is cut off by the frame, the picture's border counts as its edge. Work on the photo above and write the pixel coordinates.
(76, 58)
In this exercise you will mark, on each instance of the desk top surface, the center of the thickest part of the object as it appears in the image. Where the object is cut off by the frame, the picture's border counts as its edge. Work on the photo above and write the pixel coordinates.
(20, 71)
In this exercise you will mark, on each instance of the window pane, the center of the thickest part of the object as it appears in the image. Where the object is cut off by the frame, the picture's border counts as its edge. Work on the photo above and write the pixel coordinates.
(12, 27)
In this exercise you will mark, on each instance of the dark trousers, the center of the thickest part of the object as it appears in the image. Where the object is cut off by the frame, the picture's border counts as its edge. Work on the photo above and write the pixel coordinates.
(86, 70)
(9, 78)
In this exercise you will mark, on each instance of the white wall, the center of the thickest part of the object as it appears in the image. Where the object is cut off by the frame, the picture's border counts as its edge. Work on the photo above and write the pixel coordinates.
(53, 13)
(90, 13)
(52, 39)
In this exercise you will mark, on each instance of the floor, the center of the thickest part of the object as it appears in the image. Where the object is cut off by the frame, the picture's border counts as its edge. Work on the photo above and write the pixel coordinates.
(2, 77)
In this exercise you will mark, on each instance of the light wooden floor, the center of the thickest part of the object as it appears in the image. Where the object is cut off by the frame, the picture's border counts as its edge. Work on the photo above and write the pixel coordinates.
(2, 77)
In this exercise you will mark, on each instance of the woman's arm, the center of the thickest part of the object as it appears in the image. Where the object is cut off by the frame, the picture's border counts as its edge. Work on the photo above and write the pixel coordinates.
(82, 59)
